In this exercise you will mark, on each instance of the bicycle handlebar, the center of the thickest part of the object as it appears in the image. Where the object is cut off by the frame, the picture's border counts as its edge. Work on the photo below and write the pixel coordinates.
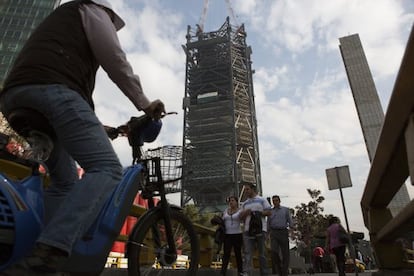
(134, 124)
(138, 130)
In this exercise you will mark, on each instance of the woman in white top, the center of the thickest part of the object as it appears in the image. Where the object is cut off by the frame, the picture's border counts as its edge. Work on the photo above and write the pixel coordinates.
(233, 237)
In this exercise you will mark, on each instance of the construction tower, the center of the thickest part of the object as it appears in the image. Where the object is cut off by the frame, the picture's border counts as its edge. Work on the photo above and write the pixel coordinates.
(220, 145)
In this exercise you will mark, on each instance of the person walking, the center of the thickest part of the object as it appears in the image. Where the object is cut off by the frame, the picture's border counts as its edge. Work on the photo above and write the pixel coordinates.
(233, 237)
(254, 209)
(54, 75)
(279, 223)
(317, 257)
(334, 245)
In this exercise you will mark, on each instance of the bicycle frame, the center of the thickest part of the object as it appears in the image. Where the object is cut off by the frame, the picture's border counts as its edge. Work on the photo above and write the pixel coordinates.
(149, 193)
(24, 215)
(22, 200)
(91, 252)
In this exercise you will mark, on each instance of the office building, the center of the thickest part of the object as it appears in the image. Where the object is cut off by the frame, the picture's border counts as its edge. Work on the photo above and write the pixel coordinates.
(367, 102)
(18, 18)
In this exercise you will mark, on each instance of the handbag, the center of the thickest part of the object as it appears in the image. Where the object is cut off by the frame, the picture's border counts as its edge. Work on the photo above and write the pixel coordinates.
(343, 235)
(255, 225)
(219, 235)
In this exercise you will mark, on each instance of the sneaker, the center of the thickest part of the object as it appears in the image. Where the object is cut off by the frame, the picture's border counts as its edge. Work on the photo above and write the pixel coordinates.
(44, 260)
(22, 269)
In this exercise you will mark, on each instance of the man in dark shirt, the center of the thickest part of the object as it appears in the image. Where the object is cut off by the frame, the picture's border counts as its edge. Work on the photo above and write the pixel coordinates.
(279, 223)
(54, 75)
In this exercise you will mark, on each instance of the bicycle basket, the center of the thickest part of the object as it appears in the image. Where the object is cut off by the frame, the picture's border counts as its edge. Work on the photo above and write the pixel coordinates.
(170, 166)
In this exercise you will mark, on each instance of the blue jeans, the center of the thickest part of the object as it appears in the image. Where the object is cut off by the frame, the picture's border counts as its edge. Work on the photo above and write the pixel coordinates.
(71, 204)
(249, 246)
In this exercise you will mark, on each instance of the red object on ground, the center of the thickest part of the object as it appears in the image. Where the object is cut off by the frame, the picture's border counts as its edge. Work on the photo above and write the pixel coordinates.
(129, 224)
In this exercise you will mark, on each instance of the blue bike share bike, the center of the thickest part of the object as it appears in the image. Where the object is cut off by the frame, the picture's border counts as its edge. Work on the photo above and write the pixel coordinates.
(162, 235)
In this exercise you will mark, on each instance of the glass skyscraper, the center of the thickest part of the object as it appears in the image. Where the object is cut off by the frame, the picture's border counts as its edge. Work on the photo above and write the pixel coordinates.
(18, 18)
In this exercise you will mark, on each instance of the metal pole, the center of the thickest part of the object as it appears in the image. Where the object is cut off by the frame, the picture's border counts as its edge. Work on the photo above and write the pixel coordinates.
(351, 247)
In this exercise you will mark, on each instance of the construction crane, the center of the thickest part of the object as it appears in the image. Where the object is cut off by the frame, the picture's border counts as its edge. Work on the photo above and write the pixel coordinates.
(203, 16)
(231, 13)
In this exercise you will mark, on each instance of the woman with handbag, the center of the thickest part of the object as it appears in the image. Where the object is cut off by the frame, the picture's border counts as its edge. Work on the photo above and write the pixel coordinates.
(233, 237)
(335, 244)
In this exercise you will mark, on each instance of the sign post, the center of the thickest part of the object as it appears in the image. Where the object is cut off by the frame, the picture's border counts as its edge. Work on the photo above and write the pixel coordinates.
(338, 178)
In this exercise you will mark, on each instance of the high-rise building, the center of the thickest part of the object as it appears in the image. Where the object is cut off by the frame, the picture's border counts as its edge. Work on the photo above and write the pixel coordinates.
(18, 18)
(367, 102)
(220, 145)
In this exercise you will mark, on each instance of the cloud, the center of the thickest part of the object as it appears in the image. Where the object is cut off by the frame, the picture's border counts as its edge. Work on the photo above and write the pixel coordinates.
(151, 40)
(316, 124)
(307, 120)
(297, 26)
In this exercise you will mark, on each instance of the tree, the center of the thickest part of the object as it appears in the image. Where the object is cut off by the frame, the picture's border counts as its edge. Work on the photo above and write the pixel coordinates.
(194, 214)
(311, 223)
(6, 129)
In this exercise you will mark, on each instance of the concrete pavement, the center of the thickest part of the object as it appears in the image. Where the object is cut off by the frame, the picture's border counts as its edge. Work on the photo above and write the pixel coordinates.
(232, 272)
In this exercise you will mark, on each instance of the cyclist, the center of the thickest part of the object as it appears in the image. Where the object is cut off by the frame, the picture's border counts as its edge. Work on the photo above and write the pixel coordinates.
(54, 74)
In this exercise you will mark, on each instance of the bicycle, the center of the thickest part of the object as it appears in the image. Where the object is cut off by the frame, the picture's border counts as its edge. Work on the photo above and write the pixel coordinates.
(161, 235)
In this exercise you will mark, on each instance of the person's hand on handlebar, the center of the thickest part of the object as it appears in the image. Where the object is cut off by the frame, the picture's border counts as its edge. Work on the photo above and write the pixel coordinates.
(155, 110)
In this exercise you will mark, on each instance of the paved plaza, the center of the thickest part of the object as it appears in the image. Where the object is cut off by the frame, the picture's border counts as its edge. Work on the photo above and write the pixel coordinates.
(232, 272)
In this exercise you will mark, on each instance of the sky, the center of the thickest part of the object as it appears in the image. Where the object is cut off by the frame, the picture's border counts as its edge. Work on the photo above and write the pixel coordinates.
(307, 120)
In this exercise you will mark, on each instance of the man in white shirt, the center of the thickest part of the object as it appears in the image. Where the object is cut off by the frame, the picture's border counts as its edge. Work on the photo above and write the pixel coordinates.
(254, 205)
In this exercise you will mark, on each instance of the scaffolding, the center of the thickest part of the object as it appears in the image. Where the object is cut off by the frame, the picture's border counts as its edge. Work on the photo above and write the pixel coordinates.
(220, 147)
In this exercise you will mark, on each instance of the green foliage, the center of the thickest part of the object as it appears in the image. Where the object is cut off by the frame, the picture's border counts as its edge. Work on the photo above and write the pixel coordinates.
(6, 129)
(194, 214)
(311, 223)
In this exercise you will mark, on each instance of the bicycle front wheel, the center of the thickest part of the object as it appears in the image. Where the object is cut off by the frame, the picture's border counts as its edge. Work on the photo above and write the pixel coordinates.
(148, 251)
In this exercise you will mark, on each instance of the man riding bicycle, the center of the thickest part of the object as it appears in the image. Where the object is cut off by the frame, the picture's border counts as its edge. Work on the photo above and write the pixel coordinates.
(54, 75)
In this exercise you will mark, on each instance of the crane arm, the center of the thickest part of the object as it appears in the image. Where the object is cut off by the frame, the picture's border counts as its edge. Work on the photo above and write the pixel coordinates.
(203, 16)
(231, 12)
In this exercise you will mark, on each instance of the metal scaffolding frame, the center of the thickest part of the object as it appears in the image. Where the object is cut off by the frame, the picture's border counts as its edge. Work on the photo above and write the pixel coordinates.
(220, 145)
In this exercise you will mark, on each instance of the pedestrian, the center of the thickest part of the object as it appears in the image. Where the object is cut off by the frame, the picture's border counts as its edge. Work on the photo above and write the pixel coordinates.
(334, 245)
(254, 211)
(218, 221)
(279, 223)
(368, 262)
(233, 237)
(54, 75)
(317, 256)
(358, 254)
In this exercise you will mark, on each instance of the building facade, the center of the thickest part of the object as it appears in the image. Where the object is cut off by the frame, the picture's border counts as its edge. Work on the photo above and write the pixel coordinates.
(367, 102)
(18, 18)
(220, 145)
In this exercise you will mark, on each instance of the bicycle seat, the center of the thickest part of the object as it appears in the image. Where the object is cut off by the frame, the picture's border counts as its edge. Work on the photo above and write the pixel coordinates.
(24, 120)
